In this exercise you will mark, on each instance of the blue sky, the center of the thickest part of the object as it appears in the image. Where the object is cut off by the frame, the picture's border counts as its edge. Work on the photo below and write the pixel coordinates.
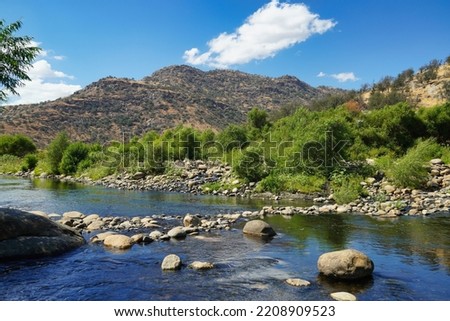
(323, 42)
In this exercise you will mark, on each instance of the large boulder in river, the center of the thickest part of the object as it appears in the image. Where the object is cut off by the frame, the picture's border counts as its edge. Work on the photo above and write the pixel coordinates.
(258, 228)
(345, 264)
(118, 241)
(26, 235)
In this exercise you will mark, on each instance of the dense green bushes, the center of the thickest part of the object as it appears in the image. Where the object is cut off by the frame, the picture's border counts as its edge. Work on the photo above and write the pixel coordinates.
(411, 170)
(306, 151)
(17, 145)
(437, 122)
(74, 154)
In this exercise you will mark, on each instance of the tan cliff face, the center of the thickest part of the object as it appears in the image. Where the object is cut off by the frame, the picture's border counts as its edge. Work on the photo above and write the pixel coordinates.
(431, 93)
(424, 93)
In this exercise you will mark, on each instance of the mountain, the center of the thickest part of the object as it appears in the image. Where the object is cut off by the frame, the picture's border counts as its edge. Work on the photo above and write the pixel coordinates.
(112, 107)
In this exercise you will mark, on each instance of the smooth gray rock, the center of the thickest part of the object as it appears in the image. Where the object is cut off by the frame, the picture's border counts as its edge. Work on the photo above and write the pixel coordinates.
(258, 228)
(171, 262)
(99, 238)
(343, 296)
(73, 215)
(155, 235)
(346, 264)
(26, 235)
(118, 241)
(177, 233)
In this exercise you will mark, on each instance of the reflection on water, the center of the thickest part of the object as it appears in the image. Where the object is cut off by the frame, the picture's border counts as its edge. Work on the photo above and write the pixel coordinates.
(59, 197)
(411, 255)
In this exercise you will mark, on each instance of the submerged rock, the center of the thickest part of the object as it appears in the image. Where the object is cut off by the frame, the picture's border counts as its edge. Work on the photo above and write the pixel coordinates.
(345, 264)
(258, 228)
(197, 265)
(171, 262)
(26, 235)
(297, 282)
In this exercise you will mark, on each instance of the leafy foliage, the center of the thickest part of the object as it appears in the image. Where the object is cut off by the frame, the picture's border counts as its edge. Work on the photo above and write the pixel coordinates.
(17, 145)
(30, 162)
(73, 155)
(437, 122)
(250, 164)
(16, 56)
(411, 170)
(55, 151)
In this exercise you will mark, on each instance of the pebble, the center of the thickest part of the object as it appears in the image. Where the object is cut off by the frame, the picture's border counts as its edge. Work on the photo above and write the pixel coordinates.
(297, 282)
(343, 296)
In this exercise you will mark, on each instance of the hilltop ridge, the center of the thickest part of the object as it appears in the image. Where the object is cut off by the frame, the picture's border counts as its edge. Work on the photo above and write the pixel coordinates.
(174, 95)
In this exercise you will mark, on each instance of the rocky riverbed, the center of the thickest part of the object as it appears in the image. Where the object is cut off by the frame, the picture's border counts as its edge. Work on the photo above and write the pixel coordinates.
(383, 198)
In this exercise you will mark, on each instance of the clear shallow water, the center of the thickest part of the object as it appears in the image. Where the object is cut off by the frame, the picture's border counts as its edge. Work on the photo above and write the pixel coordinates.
(57, 197)
(411, 255)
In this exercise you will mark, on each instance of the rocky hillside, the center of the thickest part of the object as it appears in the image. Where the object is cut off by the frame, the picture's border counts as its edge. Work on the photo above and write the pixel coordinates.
(111, 107)
(429, 86)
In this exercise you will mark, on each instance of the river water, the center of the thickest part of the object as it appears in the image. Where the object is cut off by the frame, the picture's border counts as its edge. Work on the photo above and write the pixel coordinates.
(411, 254)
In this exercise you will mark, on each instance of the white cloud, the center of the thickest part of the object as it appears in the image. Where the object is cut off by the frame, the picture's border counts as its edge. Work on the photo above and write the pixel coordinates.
(345, 76)
(43, 70)
(272, 28)
(341, 77)
(45, 84)
(59, 57)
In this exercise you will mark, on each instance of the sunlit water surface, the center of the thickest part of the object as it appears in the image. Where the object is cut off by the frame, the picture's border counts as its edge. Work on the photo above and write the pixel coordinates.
(411, 254)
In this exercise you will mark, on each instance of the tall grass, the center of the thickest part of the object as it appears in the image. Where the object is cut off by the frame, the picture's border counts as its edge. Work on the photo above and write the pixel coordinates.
(411, 170)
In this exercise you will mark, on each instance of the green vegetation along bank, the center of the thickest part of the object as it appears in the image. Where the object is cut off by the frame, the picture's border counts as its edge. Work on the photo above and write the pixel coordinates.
(326, 152)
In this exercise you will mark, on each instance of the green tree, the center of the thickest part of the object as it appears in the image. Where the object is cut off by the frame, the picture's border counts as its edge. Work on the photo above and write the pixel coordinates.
(257, 118)
(437, 120)
(17, 145)
(233, 136)
(16, 57)
(56, 151)
(73, 155)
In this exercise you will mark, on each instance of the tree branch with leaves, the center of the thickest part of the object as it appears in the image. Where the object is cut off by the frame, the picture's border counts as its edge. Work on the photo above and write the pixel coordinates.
(17, 54)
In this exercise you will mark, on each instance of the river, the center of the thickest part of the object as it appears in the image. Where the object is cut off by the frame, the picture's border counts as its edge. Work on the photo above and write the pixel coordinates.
(411, 254)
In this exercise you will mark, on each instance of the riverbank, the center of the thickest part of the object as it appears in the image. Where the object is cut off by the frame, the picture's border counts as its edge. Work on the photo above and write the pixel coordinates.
(382, 198)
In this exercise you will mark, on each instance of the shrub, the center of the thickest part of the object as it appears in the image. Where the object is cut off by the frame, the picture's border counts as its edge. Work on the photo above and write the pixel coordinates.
(56, 151)
(395, 127)
(73, 155)
(10, 163)
(411, 170)
(437, 120)
(233, 136)
(29, 162)
(347, 188)
(250, 164)
(17, 145)
(272, 183)
(257, 118)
